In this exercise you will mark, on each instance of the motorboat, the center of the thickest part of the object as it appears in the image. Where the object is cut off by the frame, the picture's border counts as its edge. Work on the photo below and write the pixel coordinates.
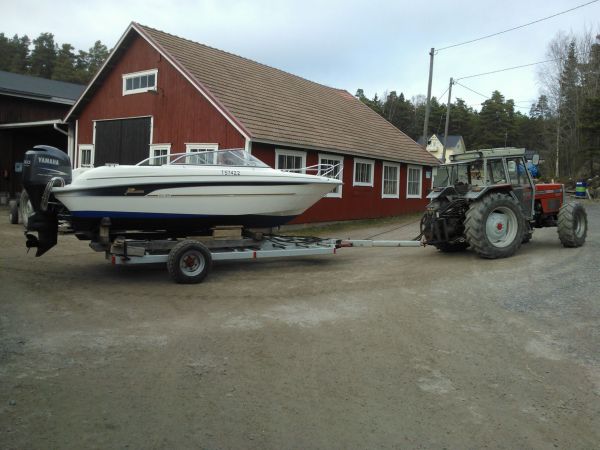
(177, 195)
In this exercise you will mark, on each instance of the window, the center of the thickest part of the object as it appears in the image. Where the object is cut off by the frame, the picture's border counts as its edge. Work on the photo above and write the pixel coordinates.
(363, 172)
(390, 187)
(338, 162)
(135, 83)
(160, 153)
(209, 158)
(413, 183)
(516, 171)
(290, 160)
(495, 172)
(86, 155)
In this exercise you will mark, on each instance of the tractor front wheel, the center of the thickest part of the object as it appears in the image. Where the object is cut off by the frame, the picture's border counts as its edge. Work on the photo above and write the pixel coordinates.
(494, 226)
(572, 225)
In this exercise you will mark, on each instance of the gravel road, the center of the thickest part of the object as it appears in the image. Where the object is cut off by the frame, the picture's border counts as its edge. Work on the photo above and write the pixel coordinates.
(371, 348)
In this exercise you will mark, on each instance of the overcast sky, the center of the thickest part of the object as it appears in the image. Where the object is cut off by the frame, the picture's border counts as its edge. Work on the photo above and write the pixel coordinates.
(376, 45)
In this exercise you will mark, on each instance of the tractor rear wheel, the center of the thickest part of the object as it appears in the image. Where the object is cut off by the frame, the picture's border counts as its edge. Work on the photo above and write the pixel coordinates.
(494, 226)
(572, 225)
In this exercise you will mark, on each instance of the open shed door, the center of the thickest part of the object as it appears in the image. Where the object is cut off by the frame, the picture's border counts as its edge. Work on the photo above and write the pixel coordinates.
(123, 141)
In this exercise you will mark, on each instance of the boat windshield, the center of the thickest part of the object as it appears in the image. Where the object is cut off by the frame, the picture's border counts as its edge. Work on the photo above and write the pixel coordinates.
(236, 157)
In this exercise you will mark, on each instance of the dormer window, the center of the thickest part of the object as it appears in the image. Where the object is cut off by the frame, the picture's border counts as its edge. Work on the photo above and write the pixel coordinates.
(135, 83)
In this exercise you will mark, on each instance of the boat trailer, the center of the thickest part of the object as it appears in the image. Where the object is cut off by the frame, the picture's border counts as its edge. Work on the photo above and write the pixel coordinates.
(189, 260)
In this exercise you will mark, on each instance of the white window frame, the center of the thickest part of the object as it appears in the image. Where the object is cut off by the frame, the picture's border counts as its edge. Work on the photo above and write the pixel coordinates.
(197, 147)
(340, 159)
(82, 148)
(420, 169)
(397, 167)
(363, 161)
(296, 153)
(155, 147)
(127, 76)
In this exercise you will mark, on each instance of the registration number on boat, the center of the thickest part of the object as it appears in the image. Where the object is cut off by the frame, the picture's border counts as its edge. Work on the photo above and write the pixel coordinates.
(230, 172)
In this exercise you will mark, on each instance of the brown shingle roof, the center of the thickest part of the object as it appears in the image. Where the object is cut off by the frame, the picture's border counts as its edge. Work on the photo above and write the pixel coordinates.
(276, 106)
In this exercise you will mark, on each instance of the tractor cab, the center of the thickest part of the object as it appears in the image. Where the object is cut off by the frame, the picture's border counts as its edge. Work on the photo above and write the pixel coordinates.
(477, 173)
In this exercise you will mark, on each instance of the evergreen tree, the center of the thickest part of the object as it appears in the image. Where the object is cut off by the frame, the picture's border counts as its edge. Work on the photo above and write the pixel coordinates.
(64, 69)
(496, 122)
(14, 53)
(43, 56)
(95, 58)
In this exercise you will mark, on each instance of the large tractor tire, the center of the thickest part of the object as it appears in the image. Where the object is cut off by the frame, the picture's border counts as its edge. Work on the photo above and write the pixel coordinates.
(572, 225)
(494, 226)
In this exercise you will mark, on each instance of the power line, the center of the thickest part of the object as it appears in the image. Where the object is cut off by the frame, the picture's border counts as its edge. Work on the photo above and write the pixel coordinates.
(469, 89)
(516, 28)
(487, 96)
(440, 96)
(521, 66)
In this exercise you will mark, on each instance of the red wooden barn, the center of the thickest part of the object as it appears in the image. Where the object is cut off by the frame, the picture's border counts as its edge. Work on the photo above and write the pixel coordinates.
(161, 94)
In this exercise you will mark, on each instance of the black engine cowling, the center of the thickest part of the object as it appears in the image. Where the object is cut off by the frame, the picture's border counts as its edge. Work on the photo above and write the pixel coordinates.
(40, 166)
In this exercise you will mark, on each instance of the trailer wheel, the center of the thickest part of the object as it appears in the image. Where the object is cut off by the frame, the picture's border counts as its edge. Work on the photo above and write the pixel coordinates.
(572, 225)
(494, 226)
(25, 208)
(13, 215)
(189, 262)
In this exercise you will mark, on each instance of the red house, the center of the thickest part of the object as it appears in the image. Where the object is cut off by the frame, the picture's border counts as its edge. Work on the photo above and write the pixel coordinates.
(160, 94)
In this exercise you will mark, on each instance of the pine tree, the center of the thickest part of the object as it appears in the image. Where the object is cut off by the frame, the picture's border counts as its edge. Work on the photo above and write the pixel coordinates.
(64, 69)
(43, 56)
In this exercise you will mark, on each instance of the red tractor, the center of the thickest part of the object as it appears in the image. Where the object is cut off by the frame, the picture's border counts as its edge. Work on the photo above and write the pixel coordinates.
(486, 200)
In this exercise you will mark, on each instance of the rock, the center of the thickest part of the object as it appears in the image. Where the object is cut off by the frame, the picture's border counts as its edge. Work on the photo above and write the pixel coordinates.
(12, 402)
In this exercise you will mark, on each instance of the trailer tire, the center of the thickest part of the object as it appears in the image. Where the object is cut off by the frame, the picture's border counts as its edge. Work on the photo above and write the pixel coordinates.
(572, 225)
(189, 262)
(25, 208)
(494, 226)
(13, 215)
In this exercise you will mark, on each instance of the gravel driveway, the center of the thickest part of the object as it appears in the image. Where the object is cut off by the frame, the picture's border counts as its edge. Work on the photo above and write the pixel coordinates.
(371, 348)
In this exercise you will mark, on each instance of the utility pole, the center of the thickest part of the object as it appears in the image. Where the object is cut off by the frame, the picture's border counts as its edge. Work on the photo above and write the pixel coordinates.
(556, 171)
(447, 120)
(428, 104)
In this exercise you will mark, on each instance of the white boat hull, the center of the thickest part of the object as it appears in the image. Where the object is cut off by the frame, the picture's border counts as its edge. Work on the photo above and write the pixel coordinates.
(189, 197)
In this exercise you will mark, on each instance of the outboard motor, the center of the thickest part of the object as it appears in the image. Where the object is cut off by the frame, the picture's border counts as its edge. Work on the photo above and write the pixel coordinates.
(43, 168)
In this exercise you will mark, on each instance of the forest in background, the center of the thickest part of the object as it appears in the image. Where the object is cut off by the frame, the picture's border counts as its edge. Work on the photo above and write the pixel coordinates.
(563, 125)
(45, 58)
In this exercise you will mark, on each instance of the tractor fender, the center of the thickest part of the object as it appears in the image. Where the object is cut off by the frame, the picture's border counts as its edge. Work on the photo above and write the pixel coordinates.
(444, 192)
(474, 194)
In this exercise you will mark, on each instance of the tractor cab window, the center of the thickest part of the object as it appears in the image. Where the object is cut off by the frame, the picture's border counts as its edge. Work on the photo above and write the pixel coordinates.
(517, 171)
(441, 177)
(495, 172)
(476, 173)
(461, 174)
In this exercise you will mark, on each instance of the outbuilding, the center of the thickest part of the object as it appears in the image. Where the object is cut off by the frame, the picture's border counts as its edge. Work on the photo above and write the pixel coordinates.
(159, 94)
(31, 112)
